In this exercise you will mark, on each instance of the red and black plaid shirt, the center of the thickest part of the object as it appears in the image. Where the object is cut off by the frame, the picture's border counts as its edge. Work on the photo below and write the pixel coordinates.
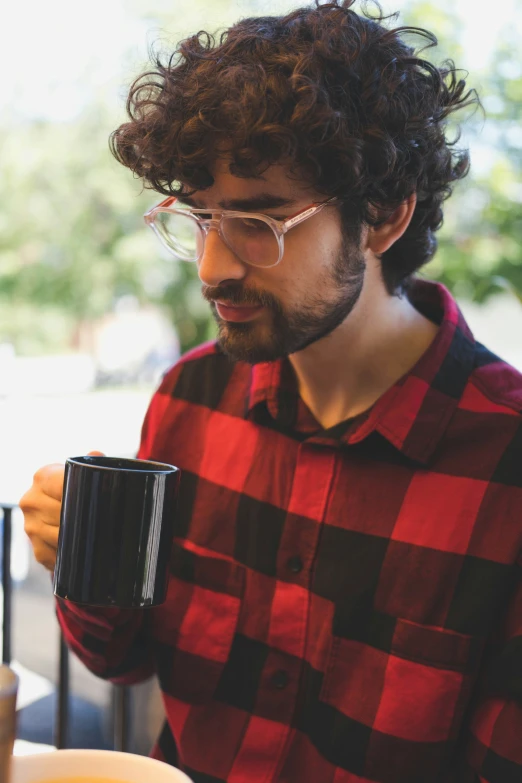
(345, 605)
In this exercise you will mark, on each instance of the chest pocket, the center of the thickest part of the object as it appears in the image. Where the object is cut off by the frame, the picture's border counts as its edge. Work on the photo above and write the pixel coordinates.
(194, 629)
(411, 697)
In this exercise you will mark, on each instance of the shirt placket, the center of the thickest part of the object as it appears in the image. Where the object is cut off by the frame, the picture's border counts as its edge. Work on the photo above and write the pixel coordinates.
(258, 760)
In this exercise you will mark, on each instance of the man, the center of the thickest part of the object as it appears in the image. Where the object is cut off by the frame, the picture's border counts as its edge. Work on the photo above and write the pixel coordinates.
(344, 603)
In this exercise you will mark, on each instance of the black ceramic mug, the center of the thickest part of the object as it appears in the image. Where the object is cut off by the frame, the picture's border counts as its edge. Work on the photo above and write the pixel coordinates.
(116, 530)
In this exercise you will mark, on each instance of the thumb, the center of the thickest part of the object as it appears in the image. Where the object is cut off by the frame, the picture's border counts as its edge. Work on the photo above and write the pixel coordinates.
(96, 454)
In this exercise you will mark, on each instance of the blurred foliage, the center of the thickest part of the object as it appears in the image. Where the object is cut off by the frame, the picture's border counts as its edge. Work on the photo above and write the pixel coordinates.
(480, 253)
(72, 237)
(73, 240)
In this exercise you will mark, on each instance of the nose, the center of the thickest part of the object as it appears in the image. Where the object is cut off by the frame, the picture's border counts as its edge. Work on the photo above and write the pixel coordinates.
(218, 263)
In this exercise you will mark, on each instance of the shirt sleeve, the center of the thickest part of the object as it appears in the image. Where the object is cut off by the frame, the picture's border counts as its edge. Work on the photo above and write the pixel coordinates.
(112, 643)
(494, 750)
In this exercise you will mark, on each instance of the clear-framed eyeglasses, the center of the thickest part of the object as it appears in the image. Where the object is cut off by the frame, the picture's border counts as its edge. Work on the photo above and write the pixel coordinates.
(254, 238)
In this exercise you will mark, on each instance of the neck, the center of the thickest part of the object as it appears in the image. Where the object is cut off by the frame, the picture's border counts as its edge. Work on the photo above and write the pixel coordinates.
(345, 373)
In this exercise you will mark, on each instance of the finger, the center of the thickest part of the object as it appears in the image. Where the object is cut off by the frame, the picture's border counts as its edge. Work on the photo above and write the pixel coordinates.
(39, 508)
(37, 530)
(49, 480)
(45, 554)
(96, 454)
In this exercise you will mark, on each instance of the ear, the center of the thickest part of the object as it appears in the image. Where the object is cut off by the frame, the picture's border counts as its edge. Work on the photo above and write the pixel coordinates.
(380, 238)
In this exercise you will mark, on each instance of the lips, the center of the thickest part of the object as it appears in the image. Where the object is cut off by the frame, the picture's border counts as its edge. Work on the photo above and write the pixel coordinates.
(237, 312)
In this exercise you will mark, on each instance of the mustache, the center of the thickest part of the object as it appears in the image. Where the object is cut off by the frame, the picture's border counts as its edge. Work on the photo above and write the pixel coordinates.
(238, 296)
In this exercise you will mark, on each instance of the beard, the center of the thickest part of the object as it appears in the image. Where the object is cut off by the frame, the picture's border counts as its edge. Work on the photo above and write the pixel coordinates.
(288, 332)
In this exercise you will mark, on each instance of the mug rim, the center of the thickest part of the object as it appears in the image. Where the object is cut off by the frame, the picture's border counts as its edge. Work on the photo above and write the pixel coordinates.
(156, 467)
(147, 763)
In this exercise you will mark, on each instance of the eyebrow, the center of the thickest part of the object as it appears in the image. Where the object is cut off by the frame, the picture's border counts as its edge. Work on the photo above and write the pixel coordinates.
(253, 204)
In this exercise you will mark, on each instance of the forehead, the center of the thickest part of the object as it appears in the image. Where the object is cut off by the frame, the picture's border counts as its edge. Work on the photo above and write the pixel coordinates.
(277, 180)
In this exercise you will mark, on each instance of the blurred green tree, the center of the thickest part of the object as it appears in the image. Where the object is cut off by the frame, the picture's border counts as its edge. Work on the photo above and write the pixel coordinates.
(480, 253)
(73, 238)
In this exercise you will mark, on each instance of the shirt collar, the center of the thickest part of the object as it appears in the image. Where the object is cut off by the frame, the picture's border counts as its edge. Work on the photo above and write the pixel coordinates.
(415, 412)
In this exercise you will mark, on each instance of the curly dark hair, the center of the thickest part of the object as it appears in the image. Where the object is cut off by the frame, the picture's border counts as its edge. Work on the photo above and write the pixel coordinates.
(344, 101)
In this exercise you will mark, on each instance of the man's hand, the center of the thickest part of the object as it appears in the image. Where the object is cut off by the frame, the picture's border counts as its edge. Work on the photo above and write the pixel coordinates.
(41, 505)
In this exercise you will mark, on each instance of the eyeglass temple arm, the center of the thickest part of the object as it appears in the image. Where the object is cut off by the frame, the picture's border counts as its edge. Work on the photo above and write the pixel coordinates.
(305, 213)
(162, 205)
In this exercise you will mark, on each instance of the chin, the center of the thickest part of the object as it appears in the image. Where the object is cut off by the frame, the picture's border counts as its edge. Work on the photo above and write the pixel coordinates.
(243, 343)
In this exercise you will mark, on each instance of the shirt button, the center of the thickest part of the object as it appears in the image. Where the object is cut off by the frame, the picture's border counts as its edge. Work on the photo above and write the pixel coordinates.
(280, 679)
(295, 564)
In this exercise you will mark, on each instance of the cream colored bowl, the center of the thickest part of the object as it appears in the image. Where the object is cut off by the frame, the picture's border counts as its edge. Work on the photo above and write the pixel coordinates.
(124, 767)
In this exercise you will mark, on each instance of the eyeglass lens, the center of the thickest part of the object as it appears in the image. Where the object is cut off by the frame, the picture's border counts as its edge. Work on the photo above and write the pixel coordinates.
(251, 239)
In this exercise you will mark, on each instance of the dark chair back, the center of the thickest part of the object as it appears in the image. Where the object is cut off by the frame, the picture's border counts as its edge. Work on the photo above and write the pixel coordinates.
(121, 696)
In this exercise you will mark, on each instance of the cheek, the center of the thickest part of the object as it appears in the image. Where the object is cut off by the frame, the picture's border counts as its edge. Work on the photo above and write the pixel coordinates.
(309, 256)
(308, 266)
(314, 247)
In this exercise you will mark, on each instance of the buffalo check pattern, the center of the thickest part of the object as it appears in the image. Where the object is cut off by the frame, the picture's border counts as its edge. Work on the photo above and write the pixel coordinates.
(344, 605)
